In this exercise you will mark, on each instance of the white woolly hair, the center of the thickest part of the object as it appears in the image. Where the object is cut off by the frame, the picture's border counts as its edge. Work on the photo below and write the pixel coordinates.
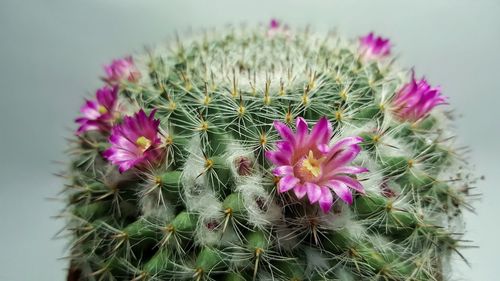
(373, 179)
(382, 244)
(204, 235)
(234, 152)
(201, 199)
(392, 147)
(251, 189)
(266, 276)
(352, 129)
(151, 208)
(344, 275)
(284, 240)
(151, 198)
(315, 261)
(198, 195)
(215, 237)
(336, 220)
(443, 120)
(402, 202)
(387, 145)
(112, 177)
(346, 221)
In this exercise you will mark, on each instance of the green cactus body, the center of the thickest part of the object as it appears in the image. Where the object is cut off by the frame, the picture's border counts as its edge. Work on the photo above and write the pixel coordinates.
(209, 209)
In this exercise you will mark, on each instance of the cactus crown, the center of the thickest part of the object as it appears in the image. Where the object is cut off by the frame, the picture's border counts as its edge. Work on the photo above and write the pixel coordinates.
(197, 162)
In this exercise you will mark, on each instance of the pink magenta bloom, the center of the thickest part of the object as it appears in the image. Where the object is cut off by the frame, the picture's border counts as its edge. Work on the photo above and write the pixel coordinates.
(134, 142)
(306, 163)
(416, 99)
(374, 47)
(275, 28)
(122, 69)
(274, 24)
(99, 114)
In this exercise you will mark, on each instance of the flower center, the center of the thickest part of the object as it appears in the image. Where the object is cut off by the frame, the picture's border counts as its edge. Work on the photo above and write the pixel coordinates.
(102, 109)
(310, 168)
(143, 143)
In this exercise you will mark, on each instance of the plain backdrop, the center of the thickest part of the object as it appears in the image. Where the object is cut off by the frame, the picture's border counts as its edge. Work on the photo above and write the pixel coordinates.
(52, 52)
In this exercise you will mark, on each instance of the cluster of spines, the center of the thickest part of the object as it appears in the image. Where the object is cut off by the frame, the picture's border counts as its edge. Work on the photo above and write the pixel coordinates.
(210, 210)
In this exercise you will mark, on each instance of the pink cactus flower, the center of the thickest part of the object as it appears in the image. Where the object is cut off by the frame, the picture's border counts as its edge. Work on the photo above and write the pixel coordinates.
(134, 142)
(274, 24)
(374, 47)
(307, 164)
(122, 69)
(275, 28)
(99, 114)
(416, 99)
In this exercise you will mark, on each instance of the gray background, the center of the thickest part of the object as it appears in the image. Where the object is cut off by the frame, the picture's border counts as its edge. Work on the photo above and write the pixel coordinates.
(51, 53)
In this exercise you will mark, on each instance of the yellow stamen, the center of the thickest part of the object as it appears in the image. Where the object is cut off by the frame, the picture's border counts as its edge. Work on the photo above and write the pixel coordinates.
(143, 143)
(312, 165)
(102, 109)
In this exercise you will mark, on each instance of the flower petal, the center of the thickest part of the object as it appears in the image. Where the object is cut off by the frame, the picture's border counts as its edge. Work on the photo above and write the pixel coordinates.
(286, 183)
(274, 24)
(321, 132)
(302, 130)
(349, 141)
(284, 147)
(326, 199)
(350, 170)
(284, 131)
(341, 190)
(124, 166)
(374, 47)
(283, 171)
(343, 157)
(353, 183)
(277, 157)
(122, 69)
(313, 192)
(323, 148)
(300, 190)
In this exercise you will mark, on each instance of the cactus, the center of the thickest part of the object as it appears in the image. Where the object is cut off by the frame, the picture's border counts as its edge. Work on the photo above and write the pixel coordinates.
(265, 154)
